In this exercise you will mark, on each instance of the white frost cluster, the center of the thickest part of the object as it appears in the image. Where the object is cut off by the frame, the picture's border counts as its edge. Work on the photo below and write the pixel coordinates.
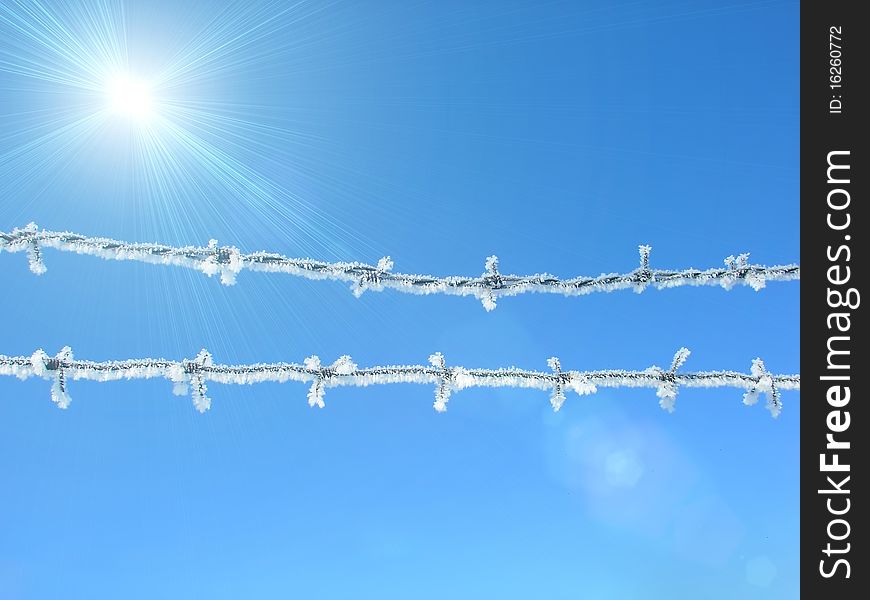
(764, 384)
(198, 387)
(442, 390)
(191, 376)
(39, 364)
(668, 384)
(557, 398)
(385, 264)
(224, 260)
(228, 262)
(59, 394)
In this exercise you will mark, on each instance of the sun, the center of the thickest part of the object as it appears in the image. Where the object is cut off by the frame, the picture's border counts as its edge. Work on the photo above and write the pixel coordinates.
(130, 97)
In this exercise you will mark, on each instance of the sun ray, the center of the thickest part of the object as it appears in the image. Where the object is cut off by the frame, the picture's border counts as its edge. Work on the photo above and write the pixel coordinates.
(193, 153)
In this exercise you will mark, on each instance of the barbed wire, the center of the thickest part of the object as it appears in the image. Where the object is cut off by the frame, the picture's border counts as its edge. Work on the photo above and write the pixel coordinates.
(228, 262)
(191, 377)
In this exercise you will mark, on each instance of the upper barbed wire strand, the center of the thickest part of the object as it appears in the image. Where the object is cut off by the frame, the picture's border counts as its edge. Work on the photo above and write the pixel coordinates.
(228, 262)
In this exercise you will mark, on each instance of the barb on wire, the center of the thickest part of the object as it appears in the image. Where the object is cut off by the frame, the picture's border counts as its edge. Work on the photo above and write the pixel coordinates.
(442, 390)
(765, 384)
(228, 262)
(193, 374)
(667, 390)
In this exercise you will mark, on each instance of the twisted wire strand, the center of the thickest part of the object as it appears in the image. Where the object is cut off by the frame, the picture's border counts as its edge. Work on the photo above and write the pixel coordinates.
(192, 376)
(228, 262)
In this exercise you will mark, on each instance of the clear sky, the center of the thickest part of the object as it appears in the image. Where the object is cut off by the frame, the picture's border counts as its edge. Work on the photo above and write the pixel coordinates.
(557, 135)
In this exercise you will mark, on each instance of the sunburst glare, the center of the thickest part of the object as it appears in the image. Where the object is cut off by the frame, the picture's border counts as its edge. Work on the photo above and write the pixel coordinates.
(131, 97)
(118, 101)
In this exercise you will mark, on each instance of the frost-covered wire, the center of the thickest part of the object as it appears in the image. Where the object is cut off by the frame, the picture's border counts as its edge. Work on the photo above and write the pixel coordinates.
(191, 377)
(228, 262)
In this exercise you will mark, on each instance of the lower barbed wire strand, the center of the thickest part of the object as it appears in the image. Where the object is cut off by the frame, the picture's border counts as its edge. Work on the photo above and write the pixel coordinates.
(191, 376)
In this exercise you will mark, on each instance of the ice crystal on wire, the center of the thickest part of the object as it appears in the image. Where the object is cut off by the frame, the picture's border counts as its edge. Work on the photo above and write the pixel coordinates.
(196, 380)
(667, 389)
(385, 264)
(442, 389)
(557, 398)
(59, 394)
(644, 274)
(316, 391)
(680, 358)
(764, 384)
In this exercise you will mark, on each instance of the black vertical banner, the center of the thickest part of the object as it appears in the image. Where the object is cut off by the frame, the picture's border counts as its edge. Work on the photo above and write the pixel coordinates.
(834, 225)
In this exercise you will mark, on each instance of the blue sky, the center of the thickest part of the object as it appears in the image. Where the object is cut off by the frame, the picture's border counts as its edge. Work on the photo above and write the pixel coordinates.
(558, 135)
